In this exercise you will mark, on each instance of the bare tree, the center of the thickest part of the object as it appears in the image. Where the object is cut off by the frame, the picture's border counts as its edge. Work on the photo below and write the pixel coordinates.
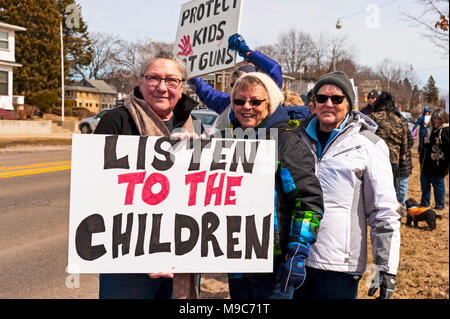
(390, 72)
(340, 49)
(434, 22)
(319, 53)
(269, 50)
(104, 49)
(295, 48)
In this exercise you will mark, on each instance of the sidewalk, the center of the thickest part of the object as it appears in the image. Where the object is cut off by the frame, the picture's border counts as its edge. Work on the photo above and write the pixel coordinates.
(20, 142)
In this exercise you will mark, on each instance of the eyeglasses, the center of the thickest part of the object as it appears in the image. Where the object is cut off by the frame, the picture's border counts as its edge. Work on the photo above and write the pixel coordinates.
(171, 83)
(372, 97)
(335, 99)
(251, 102)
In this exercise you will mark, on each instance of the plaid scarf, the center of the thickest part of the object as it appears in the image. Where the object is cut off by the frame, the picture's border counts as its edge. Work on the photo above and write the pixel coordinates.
(148, 123)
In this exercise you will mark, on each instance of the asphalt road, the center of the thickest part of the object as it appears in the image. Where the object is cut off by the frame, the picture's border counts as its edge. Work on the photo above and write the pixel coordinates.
(34, 225)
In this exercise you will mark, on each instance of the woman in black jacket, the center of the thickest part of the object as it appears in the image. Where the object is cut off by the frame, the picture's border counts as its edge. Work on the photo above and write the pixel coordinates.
(157, 107)
(434, 160)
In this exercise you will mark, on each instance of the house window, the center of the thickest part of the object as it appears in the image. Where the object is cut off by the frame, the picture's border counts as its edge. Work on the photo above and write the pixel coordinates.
(3, 83)
(4, 43)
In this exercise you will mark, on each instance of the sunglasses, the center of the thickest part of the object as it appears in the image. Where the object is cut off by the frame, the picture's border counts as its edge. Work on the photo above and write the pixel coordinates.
(335, 99)
(252, 102)
(372, 97)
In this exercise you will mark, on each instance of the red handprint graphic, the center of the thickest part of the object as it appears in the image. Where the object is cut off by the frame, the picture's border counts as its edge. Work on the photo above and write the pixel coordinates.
(185, 46)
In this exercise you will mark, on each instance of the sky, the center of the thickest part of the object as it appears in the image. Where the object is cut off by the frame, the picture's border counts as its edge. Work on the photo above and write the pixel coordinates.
(374, 36)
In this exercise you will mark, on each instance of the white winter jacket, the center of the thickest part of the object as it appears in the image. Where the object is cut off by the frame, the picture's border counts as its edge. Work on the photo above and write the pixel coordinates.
(358, 189)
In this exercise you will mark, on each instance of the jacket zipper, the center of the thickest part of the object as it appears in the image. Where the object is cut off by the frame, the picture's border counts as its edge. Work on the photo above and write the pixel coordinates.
(347, 150)
(332, 141)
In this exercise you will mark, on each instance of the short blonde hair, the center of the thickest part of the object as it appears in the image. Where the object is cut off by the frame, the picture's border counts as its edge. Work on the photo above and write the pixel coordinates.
(274, 95)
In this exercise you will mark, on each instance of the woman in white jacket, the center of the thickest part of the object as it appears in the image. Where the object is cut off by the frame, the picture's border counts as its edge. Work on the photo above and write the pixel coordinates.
(353, 167)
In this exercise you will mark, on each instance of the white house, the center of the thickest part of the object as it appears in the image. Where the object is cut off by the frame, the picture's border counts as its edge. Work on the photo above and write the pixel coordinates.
(7, 63)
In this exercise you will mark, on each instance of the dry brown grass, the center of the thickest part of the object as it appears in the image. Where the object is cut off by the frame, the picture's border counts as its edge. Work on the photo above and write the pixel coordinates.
(424, 255)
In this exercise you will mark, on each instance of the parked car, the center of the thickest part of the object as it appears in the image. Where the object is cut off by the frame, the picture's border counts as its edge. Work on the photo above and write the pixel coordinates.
(409, 118)
(88, 125)
(207, 117)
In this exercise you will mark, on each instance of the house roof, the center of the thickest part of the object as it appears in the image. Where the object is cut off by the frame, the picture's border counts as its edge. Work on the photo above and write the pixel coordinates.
(95, 86)
(101, 86)
(11, 27)
(80, 88)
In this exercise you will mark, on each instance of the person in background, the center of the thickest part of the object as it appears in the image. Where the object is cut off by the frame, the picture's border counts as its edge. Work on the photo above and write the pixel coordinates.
(371, 98)
(405, 168)
(256, 100)
(354, 170)
(156, 107)
(423, 123)
(309, 97)
(292, 99)
(434, 160)
(392, 130)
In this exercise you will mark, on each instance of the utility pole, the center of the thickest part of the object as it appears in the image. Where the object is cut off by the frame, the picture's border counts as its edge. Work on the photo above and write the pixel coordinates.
(62, 72)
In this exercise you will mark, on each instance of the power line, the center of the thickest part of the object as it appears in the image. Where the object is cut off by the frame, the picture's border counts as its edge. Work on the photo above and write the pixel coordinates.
(364, 11)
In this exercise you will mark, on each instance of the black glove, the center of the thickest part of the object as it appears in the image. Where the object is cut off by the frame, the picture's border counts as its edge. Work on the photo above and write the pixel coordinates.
(386, 283)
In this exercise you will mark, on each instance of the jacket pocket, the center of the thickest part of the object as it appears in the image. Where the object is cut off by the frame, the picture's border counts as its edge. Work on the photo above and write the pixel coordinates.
(347, 150)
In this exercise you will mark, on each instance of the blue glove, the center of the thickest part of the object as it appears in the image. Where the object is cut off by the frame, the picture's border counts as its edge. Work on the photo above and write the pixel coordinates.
(292, 272)
(237, 42)
(193, 82)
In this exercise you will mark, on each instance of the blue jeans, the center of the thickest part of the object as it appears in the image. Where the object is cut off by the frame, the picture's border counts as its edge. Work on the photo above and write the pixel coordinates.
(262, 286)
(134, 286)
(324, 284)
(439, 190)
(402, 191)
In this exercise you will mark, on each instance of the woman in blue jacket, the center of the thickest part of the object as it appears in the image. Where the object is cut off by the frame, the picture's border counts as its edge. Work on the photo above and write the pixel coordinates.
(220, 101)
(423, 122)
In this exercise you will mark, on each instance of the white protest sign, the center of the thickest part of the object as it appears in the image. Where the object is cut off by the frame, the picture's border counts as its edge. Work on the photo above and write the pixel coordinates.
(152, 204)
(202, 35)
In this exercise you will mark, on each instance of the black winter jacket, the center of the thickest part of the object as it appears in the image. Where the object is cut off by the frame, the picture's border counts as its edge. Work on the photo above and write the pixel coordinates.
(118, 121)
(434, 158)
(298, 212)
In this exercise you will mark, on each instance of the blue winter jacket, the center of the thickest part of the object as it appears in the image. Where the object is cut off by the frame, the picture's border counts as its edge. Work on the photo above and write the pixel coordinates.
(219, 101)
(421, 121)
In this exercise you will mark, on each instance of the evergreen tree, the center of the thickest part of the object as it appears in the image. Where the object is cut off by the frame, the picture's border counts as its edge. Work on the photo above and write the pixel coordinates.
(431, 91)
(78, 50)
(37, 48)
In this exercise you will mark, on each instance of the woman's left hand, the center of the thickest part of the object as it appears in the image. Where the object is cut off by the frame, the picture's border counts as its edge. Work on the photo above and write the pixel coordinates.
(186, 135)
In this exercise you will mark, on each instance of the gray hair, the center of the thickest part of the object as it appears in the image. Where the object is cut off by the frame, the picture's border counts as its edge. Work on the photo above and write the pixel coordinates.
(441, 114)
(166, 56)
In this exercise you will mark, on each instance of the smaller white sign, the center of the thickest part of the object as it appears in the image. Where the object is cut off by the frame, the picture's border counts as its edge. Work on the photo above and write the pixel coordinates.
(203, 31)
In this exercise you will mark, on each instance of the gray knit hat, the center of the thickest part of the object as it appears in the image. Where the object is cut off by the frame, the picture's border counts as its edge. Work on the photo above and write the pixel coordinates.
(341, 80)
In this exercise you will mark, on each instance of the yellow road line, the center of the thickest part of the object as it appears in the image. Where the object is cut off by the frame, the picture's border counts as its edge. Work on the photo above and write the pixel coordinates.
(35, 171)
(33, 165)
